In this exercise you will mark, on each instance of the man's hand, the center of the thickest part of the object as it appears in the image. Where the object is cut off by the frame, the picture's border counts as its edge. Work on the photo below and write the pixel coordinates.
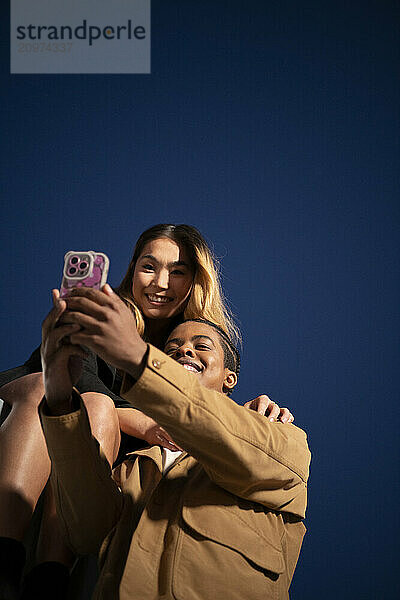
(107, 327)
(265, 406)
(61, 360)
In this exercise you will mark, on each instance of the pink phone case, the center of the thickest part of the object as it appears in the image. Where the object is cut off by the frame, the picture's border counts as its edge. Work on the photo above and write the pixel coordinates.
(88, 269)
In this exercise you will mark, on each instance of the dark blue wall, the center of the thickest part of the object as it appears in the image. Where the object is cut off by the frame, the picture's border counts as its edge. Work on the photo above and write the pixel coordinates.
(274, 128)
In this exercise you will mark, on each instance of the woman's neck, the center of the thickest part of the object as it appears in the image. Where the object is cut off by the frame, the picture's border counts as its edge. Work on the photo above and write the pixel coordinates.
(156, 330)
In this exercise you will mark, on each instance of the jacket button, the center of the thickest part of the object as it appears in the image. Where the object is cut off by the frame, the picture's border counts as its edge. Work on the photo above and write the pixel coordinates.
(156, 364)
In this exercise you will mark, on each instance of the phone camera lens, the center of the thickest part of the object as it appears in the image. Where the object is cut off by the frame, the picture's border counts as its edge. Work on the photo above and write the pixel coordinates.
(83, 265)
(71, 271)
(74, 260)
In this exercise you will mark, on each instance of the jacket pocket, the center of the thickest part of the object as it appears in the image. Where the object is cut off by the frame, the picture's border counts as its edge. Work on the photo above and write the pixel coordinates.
(226, 552)
(237, 529)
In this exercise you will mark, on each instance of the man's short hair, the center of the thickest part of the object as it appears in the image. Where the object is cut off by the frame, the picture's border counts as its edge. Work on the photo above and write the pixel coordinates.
(231, 353)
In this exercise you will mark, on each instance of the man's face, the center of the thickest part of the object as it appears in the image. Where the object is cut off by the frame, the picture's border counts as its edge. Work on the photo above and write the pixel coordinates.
(197, 347)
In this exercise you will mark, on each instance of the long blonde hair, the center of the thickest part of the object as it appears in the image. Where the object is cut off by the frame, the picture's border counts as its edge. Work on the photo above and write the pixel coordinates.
(206, 300)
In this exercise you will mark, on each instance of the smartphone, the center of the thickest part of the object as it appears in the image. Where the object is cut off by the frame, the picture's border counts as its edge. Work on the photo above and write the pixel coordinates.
(88, 269)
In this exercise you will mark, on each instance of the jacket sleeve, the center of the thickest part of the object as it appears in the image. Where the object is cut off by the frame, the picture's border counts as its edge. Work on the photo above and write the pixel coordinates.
(241, 450)
(89, 502)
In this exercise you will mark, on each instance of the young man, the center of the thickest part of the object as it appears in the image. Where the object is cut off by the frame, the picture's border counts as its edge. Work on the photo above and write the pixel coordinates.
(224, 518)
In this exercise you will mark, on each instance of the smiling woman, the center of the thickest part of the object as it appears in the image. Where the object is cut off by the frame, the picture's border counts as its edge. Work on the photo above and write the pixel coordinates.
(162, 280)
(173, 274)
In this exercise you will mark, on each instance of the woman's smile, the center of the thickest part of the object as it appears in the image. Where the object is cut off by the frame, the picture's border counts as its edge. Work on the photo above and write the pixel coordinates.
(155, 299)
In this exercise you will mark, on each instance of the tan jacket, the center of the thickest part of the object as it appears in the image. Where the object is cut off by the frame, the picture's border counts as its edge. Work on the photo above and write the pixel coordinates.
(223, 522)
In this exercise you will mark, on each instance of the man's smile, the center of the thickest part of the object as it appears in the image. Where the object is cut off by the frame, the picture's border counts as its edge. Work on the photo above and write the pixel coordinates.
(190, 365)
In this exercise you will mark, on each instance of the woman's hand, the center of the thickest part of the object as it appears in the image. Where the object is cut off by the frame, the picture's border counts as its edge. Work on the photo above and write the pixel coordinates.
(265, 406)
(156, 435)
(135, 423)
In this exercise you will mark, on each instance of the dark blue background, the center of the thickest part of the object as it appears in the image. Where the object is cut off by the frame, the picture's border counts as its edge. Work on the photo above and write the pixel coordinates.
(274, 128)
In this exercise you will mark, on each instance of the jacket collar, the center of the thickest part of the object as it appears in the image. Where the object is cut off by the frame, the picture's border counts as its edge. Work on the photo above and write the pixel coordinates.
(155, 454)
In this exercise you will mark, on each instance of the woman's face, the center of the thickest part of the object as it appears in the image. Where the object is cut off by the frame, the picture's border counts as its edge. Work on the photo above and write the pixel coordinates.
(162, 280)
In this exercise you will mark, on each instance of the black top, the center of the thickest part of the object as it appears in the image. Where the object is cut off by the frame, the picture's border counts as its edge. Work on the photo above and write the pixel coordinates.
(97, 376)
